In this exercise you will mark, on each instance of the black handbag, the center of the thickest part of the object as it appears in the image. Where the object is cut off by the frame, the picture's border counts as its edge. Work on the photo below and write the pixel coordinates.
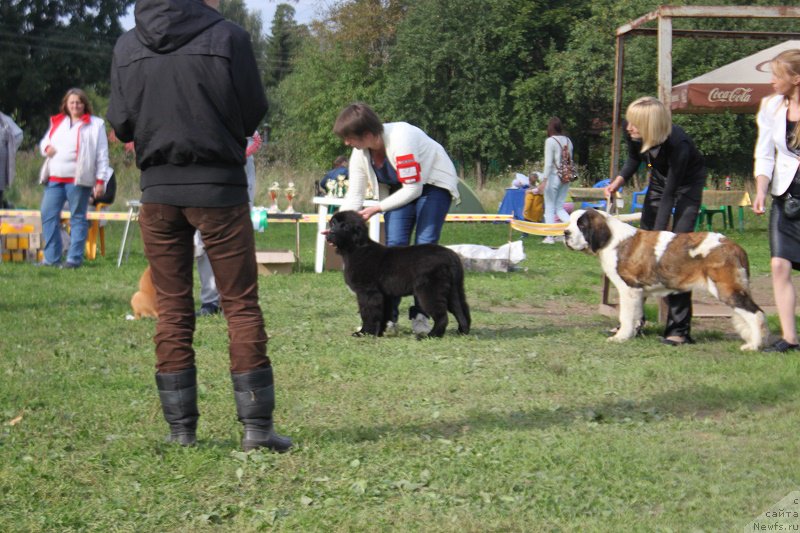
(791, 207)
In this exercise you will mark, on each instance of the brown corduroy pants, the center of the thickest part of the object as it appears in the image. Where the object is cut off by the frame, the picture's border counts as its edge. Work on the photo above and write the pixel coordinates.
(167, 232)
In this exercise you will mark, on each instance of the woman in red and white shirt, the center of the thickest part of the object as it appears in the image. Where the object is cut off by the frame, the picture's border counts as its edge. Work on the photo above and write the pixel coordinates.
(76, 148)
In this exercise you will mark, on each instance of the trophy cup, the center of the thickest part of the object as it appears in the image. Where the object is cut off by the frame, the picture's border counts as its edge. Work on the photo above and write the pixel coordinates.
(273, 194)
(290, 190)
(341, 187)
(331, 187)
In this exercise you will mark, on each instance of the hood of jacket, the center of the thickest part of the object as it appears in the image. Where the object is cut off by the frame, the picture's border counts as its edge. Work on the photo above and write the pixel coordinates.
(166, 25)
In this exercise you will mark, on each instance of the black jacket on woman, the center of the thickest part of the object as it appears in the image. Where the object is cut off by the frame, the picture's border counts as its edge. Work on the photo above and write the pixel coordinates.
(677, 176)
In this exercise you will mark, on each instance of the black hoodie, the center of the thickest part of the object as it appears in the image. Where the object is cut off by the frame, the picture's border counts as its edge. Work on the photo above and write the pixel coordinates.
(185, 88)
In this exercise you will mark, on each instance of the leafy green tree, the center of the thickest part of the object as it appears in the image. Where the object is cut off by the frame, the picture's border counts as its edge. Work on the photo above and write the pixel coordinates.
(455, 66)
(577, 83)
(483, 77)
(342, 61)
(48, 47)
(282, 44)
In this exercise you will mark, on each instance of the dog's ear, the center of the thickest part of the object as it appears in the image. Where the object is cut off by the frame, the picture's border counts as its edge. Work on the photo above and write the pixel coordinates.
(595, 229)
(358, 230)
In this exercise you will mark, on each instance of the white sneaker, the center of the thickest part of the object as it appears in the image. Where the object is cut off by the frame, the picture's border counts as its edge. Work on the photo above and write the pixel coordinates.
(560, 238)
(548, 240)
(391, 329)
(420, 325)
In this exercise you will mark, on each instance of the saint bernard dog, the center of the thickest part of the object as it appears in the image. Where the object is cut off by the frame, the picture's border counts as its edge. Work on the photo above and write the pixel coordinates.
(655, 263)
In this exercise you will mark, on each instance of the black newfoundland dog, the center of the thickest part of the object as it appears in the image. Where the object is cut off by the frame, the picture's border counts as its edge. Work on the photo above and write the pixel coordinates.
(377, 273)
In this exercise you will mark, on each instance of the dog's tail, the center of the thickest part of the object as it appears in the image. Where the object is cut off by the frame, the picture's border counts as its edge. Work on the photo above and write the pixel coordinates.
(457, 302)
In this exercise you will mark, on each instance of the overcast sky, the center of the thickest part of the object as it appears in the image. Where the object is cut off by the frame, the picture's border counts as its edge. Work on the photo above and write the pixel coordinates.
(304, 11)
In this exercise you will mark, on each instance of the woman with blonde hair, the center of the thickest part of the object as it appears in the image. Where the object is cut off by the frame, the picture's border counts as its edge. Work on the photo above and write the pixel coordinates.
(777, 160)
(76, 148)
(677, 175)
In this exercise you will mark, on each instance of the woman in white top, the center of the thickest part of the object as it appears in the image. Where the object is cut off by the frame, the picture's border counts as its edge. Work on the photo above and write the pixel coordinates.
(409, 173)
(555, 192)
(76, 148)
(777, 171)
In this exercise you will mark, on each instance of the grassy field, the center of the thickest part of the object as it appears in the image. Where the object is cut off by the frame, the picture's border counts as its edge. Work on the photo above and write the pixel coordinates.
(531, 423)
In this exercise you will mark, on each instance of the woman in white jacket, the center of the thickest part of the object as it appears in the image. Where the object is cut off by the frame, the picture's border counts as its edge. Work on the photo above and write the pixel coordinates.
(408, 172)
(555, 191)
(76, 148)
(777, 164)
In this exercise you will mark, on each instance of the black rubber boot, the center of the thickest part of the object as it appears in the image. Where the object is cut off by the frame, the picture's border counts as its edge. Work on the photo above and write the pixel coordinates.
(178, 393)
(255, 400)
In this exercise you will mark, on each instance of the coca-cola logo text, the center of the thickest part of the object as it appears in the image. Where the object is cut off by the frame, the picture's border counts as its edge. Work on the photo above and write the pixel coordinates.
(739, 94)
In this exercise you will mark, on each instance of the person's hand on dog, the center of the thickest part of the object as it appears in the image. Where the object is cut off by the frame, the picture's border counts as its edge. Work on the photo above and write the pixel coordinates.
(367, 212)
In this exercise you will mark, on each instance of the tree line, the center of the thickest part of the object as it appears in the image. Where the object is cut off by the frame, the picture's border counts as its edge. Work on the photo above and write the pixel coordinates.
(480, 76)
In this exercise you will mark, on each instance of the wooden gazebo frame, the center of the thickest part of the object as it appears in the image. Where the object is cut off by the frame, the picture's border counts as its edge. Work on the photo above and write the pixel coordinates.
(664, 33)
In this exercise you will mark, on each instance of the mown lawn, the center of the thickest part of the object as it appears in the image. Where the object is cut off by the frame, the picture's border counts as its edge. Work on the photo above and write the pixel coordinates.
(533, 422)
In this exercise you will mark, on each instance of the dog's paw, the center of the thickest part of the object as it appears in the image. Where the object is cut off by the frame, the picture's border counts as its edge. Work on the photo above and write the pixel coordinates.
(359, 333)
(749, 347)
(618, 338)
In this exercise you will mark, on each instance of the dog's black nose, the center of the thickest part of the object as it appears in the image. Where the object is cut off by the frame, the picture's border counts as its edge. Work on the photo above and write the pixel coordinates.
(566, 233)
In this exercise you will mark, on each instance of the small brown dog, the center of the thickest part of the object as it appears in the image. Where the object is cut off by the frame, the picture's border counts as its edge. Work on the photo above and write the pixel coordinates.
(144, 302)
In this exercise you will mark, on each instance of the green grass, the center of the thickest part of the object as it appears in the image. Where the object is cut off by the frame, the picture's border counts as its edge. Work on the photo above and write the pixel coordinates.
(533, 422)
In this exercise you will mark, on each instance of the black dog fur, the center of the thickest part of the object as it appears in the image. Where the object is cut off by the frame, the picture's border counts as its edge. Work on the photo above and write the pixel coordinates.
(377, 273)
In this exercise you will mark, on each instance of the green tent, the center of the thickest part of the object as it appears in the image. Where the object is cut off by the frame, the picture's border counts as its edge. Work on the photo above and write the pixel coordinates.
(469, 205)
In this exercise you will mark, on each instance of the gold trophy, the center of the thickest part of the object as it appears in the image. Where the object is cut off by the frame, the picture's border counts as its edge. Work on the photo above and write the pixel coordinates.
(290, 190)
(341, 186)
(331, 186)
(273, 194)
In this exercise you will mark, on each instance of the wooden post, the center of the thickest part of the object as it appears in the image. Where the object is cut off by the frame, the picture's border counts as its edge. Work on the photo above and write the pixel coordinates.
(619, 61)
(665, 60)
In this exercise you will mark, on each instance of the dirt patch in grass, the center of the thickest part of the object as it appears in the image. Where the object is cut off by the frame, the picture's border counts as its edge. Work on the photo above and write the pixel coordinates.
(557, 308)
(760, 286)
(566, 307)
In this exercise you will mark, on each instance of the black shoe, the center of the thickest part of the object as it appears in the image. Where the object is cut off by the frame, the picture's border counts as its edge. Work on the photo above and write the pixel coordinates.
(69, 265)
(781, 346)
(43, 264)
(208, 309)
(669, 342)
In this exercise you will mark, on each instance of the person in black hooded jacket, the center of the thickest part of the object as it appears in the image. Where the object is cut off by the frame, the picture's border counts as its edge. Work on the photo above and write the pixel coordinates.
(677, 176)
(185, 89)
